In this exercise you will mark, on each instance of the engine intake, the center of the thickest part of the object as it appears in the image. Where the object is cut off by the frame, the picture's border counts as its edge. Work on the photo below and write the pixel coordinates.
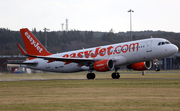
(104, 65)
(140, 66)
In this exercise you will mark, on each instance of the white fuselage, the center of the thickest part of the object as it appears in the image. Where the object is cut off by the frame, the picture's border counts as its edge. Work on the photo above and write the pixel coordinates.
(122, 54)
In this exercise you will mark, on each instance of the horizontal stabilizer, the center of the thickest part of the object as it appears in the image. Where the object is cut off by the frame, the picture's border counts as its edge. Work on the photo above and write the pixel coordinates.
(21, 49)
(20, 62)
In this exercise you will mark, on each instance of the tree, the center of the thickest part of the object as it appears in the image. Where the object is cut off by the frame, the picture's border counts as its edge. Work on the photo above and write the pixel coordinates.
(177, 60)
(88, 36)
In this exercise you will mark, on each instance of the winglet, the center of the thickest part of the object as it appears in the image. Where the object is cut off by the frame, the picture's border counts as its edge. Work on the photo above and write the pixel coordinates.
(21, 49)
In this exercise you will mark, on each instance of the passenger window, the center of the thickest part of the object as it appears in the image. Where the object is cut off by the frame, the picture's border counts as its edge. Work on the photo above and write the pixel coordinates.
(159, 43)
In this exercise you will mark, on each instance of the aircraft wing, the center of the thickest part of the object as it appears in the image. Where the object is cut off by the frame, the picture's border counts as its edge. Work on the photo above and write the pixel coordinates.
(80, 61)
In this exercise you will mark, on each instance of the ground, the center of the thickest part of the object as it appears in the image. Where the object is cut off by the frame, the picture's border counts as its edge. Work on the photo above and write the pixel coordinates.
(154, 91)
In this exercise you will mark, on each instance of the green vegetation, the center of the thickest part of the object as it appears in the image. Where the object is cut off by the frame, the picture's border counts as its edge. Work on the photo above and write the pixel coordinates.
(126, 94)
(59, 41)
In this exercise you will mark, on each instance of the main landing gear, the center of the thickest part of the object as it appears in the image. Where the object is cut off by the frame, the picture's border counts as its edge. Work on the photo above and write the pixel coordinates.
(115, 75)
(156, 65)
(90, 75)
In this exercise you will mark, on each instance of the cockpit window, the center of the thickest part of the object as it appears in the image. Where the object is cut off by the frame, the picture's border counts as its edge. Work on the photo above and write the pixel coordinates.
(167, 42)
(163, 43)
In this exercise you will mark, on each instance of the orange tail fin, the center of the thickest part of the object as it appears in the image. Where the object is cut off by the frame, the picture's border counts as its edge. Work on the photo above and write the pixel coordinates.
(32, 45)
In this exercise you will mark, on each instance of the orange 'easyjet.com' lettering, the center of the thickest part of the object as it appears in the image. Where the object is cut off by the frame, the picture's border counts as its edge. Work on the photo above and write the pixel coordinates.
(102, 52)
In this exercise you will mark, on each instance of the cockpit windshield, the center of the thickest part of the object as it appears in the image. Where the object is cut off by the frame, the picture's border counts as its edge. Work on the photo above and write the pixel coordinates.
(167, 42)
(163, 43)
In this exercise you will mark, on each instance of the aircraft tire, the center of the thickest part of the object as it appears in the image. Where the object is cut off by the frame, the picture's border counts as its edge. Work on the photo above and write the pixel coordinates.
(115, 75)
(91, 76)
(157, 69)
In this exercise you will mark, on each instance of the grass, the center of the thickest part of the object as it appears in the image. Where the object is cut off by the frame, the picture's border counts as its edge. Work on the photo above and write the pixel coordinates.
(92, 95)
(99, 75)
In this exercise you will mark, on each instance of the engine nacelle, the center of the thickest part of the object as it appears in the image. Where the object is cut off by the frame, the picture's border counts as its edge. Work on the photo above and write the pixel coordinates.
(104, 65)
(140, 66)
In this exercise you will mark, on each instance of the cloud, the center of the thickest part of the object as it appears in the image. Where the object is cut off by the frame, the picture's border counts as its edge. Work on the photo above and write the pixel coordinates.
(97, 15)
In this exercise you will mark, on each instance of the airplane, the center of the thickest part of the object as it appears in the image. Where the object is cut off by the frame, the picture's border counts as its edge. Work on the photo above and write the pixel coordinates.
(137, 55)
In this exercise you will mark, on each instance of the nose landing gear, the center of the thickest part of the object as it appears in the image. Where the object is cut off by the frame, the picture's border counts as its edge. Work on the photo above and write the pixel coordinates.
(156, 65)
(157, 68)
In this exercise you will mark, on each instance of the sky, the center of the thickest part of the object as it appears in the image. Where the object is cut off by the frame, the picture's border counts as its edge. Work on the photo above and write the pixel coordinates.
(91, 15)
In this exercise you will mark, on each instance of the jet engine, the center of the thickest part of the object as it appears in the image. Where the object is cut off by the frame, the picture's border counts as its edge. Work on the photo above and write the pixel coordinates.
(104, 65)
(140, 66)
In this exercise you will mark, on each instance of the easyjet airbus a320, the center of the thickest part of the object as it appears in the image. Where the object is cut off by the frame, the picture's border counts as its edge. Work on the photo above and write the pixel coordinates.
(136, 55)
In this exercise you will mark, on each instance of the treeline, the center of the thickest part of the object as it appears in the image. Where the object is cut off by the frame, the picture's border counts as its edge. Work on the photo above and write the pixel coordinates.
(59, 41)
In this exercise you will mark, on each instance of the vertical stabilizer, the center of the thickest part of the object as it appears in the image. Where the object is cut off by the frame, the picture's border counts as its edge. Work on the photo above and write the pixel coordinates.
(32, 45)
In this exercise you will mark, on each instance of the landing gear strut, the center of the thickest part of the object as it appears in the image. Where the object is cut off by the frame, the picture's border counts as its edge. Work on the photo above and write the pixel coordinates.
(115, 75)
(156, 65)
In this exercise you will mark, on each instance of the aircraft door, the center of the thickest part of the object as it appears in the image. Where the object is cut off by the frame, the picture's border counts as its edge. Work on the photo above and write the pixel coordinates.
(149, 46)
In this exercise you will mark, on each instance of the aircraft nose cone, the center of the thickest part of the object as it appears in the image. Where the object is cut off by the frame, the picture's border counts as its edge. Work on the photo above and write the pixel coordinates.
(174, 49)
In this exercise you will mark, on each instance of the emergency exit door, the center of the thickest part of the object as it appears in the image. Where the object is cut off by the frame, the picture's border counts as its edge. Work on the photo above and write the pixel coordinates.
(149, 46)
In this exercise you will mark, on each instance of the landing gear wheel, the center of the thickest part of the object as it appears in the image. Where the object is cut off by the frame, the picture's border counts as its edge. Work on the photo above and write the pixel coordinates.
(157, 69)
(91, 76)
(115, 75)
